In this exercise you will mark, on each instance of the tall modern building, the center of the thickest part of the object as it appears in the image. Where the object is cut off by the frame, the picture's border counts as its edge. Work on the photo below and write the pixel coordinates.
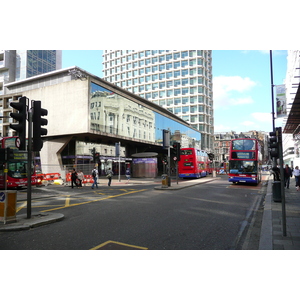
(17, 65)
(179, 80)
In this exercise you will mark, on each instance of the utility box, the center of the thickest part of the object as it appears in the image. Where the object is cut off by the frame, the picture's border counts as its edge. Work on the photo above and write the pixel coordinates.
(8, 206)
(276, 191)
(164, 181)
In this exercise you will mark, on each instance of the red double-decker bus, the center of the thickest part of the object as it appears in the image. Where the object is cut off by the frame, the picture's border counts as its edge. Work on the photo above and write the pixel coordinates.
(194, 163)
(245, 161)
(14, 170)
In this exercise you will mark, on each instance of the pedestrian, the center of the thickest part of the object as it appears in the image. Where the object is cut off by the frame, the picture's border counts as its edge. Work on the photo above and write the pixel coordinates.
(296, 173)
(74, 178)
(127, 174)
(80, 176)
(287, 175)
(95, 177)
(109, 175)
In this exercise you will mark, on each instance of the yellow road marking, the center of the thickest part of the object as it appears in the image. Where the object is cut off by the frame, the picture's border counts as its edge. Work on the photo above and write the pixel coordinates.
(21, 206)
(109, 197)
(118, 243)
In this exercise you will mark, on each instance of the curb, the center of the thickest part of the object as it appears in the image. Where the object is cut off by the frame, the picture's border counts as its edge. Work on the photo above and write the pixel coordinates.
(266, 233)
(37, 219)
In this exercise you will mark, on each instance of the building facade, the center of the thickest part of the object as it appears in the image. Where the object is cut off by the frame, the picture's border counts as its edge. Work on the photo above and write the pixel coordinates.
(86, 112)
(178, 80)
(290, 125)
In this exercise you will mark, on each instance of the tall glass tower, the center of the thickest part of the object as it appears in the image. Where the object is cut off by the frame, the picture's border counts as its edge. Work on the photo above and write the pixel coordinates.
(179, 80)
(20, 64)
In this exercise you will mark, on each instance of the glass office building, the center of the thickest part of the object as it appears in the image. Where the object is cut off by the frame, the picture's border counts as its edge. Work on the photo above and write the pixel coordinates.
(178, 80)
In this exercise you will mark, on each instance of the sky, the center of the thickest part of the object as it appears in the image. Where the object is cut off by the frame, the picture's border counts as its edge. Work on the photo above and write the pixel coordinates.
(241, 84)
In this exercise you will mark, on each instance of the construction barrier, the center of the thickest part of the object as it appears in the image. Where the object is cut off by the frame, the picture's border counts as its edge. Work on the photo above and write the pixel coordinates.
(87, 178)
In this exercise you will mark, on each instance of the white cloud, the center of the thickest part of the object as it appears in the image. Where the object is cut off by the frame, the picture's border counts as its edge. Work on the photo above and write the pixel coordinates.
(247, 123)
(262, 117)
(231, 90)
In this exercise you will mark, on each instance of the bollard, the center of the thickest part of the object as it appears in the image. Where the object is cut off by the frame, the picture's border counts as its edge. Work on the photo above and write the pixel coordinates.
(276, 191)
(8, 206)
(164, 180)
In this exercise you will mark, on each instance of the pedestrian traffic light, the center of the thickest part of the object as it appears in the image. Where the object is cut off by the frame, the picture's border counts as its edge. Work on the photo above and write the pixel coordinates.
(37, 123)
(21, 118)
(176, 146)
(164, 161)
(274, 144)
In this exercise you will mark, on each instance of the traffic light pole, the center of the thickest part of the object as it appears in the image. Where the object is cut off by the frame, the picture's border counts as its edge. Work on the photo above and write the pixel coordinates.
(29, 154)
(169, 166)
(282, 181)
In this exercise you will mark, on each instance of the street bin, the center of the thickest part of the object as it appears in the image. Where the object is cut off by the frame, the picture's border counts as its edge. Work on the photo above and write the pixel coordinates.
(276, 191)
(164, 180)
(8, 206)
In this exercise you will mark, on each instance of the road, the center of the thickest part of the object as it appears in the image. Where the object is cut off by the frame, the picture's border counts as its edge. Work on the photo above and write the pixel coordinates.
(210, 216)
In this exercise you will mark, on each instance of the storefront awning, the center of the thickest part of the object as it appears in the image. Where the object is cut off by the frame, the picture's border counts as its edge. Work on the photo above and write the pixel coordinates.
(293, 122)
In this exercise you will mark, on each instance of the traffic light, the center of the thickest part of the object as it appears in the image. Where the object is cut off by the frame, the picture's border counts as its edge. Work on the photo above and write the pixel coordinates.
(274, 144)
(94, 154)
(211, 156)
(117, 148)
(166, 139)
(6, 154)
(9, 154)
(176, 146)
(21, 118)
(37, 122)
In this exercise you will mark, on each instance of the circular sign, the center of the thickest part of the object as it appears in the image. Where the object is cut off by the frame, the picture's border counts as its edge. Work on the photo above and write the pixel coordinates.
(175, 158)
(2, 197)
(18, 142)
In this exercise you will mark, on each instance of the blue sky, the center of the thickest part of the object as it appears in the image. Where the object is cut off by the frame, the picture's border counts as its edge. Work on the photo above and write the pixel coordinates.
(241, 84)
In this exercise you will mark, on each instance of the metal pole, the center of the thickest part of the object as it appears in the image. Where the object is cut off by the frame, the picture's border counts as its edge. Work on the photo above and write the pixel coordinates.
(119, 162)
(169, 167)
(283, 213)
(177, 170)
(272, 91)
(29, 154)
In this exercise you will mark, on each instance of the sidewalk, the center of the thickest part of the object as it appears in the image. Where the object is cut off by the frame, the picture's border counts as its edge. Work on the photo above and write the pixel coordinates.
(271, 237)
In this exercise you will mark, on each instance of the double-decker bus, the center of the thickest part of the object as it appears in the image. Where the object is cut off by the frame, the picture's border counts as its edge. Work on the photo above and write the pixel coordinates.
(194, 163)
(245, 160)
(14, 170)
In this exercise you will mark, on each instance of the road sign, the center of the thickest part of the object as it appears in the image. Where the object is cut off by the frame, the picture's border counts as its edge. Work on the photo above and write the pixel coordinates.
(2, 197)
(17, 142)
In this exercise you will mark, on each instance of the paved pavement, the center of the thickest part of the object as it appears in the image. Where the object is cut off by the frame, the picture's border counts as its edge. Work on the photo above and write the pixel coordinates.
(271, 234)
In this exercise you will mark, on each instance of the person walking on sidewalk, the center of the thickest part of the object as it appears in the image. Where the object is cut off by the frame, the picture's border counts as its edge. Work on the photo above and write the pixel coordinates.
(80, 176)
(296, 173)
(287, 175)
(127, 174)
(95, 177)
(109, 175)
(74, 178)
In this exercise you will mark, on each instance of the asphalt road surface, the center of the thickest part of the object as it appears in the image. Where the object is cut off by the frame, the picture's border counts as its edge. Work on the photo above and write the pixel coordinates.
(210, 216)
